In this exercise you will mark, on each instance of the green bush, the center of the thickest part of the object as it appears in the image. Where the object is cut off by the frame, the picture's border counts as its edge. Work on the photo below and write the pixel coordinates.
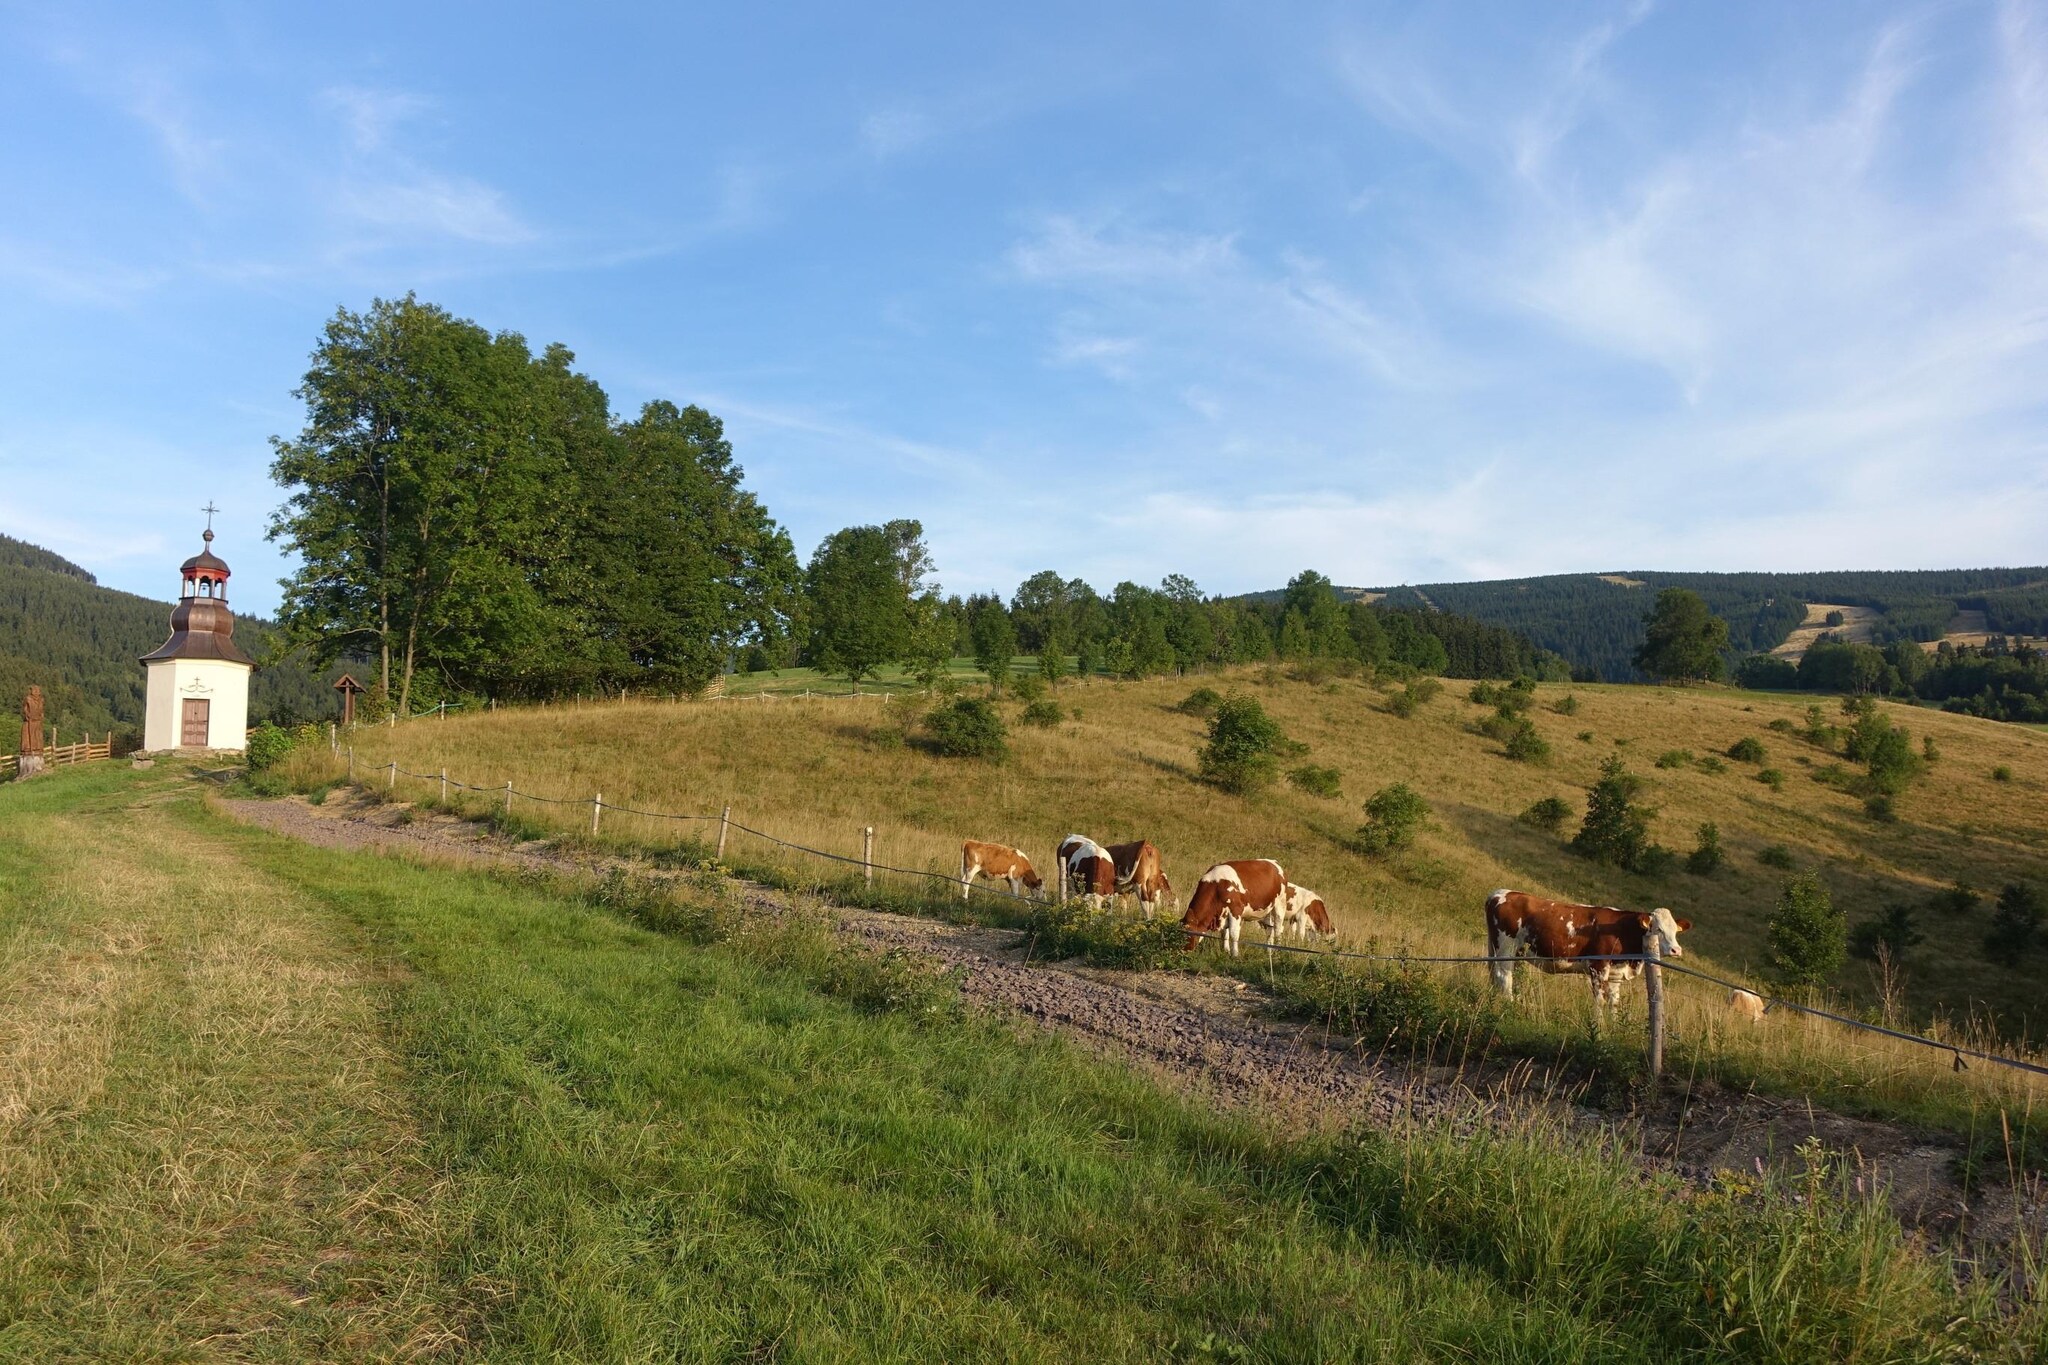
(1880, 807)
(1772, 778)
(1656, 861)
(1893, 931)
(1244, 748)
(1028, 687)
(1566, 705)
(1675, 758)
(2015, 925)
(1325, 782)
(268, 746)
(1750, 749)
(968, 727)
(1425, 690)
(1071, 930)
(1709, 763)
(1550, 813)
(1783, 727)
(1775, 855)
(1616, 829)
(1808, 936)
(1706, 857)
(1043, 713)
(1585, 736)
(1203, 702)
(2001, 773)
(1402, 704)
(1959, 899)
(1524, 745)
(1393, 815)
(1929, 750)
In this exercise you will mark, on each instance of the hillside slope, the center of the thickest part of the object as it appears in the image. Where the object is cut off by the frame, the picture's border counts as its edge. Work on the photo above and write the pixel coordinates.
(79, 641)
(1596, 620)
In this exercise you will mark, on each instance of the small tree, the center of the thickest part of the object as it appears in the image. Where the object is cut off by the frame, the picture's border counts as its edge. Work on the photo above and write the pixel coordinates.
(968, 727)
(1524, 745)
(1705, 858)
(1392, 816)
(1616, 829)
(1682, 640)
(994, 639)
(1888, 937)
(2015, 925)
(930, 641)
(1244, 748)
(1808, 935)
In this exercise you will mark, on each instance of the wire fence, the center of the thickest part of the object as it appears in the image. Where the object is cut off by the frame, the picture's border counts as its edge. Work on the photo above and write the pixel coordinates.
(1652, 962)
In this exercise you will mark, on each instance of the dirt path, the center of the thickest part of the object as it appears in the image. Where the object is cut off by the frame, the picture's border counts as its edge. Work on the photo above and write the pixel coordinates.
(1204, 1034)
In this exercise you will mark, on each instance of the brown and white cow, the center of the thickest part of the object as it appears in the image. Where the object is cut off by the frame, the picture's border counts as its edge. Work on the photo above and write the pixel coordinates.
(1140, 872)
(1231, 893)
(1747, 1006)
(1561, 937)
(997, 862)
(1306, 914)
(1086, 870)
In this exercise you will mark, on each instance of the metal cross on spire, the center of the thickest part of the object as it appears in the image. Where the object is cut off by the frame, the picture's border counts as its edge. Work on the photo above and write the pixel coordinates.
(209, 509)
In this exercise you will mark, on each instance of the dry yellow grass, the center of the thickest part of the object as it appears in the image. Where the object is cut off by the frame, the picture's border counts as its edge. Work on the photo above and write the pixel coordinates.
(816, 772)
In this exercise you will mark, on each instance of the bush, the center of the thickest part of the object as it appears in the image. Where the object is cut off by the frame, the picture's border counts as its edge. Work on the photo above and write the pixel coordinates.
(1879, 807)
(1393, 815)
(1706, 857)
(1566, 705)
(1044, 714)
(1783, 727)
(1709, 763)
(968, 727)
(1750, 749)
(1929, 751)
(1325, 782)
(1524, 745)
(1892, 931)
(1775, 855)
(1818, 731)
(268, 746)
(1808, 936)
(1203, 702)
(1402, 704)
(2015, 925)
(1616, 829)
(1675, 758)
(1831, 775)
(1550, 813)
(1027, 687)
(1425, 690)
(1244, 746)
(1959, 899)
(1656, 861)
(1585, 736)
(2001, 773)
(1772, 778)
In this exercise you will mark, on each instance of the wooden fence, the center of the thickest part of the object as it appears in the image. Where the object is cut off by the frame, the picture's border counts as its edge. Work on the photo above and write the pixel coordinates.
(84, 751)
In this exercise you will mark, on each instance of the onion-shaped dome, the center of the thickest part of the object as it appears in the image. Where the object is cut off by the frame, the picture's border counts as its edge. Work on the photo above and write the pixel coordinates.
(202, 627)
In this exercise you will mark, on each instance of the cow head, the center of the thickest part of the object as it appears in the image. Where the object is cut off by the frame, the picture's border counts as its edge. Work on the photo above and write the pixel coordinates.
(1319, 916)
(1667, 928)
(1032, 879)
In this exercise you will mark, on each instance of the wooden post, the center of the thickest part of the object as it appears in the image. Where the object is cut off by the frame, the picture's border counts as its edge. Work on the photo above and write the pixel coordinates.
(508, 796)
(351, 762)
(596, 809)
(444, 786)
(1059, 879)
(867, 854)
(724, 823)
(333, 739)
(1653, 989)
(391, 783)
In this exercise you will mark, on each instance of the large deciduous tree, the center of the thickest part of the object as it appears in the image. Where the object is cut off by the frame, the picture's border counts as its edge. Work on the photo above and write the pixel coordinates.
(1682, 640)
(856, 590)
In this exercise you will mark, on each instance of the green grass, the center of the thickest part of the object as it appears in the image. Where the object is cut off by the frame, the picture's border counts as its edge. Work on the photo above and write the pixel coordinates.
(525, 1120)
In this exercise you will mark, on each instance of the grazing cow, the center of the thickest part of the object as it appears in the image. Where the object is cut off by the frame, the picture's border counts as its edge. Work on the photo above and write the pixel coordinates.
(1087, 870)
(1562, 937)
(1138, 871)
(1747, 1006)
(1231, 893)
(997, 862)
(1306, 914)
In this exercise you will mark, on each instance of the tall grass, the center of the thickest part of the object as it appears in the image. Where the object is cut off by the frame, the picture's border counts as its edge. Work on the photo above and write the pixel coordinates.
(815, 773)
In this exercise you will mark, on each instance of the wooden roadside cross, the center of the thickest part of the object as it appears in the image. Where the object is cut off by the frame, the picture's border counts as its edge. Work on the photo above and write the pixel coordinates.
(348, 687)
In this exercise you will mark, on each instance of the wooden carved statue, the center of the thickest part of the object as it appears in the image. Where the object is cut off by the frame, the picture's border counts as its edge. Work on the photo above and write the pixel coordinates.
(32, 722)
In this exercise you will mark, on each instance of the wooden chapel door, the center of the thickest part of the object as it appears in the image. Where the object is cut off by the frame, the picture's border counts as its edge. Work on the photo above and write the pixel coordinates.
(192, 732)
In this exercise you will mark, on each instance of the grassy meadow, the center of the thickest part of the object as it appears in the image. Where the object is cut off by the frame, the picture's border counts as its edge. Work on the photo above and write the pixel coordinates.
(1122, 766)
(263, 1101)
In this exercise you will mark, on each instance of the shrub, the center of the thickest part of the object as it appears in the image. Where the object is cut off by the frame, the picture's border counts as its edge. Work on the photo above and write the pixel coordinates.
(1203, 702)
(1706, 857)
(1524, 745)
(968, 727)
(1566, 705)
(1879, 807)
(1044, 713)
(1783, 727)
(1425, 690)
(1893, 931)
(1393, 815)
(2015, 925)
(1550, 813)
(1772, 778)
(1833, 618)
(1831, 775)
(1929, 751)
(1656, 861)
(1708, 763)
(1585, 736)
(1959, 899)
(268, 746)
(2001, 773)
(1750, 749)
(1242, 754)
(1325, 782)
(1675, 758)
(1818, 731)
(1616, 829)
(1775, 855)
(1402, 704)
(1027, 687)
(1808, 935)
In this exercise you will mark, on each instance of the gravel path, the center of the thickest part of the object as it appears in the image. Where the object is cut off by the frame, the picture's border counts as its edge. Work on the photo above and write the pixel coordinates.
(1203, 1034)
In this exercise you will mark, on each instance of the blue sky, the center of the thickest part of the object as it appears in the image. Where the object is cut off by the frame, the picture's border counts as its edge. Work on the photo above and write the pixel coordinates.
(1400, 293)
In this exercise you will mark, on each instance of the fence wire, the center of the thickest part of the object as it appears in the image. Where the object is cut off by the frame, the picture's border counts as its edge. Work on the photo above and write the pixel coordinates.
(1770, 1001)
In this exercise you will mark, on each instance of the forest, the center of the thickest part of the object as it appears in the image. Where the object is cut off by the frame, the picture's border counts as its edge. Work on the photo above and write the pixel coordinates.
(1998, 680)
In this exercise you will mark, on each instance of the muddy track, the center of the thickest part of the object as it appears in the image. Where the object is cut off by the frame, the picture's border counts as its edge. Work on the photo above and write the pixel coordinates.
(1207, 1035)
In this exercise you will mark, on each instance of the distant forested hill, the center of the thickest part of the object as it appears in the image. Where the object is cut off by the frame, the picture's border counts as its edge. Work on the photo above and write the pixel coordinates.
(59, 628)
(1596, 621)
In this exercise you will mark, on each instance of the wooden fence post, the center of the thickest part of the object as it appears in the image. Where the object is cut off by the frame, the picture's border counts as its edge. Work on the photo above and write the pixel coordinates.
(596, 809)
(1059, 875)
(351, 762)
(1653, 989)
(444, 786)
(391, 783)
(867, 854)
(724, 824)
(508, 796)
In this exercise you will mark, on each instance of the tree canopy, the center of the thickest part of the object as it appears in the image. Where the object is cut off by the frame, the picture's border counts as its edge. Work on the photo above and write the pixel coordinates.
(1682, 640)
